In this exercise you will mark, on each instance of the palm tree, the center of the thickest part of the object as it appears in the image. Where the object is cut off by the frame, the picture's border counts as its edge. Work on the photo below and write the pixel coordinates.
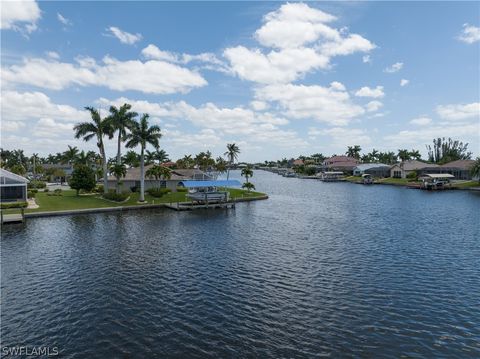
(143, 135)
(161, 156)
(97, 128)
(353, 151)
(119, 171)
(35, 160)
(249, 186)
(221, 165)
(232, 154)
(404, 155)
(186, 162)
(415, 154)
(131, 159)
(70, 156)
(247, 172)
(121, 119)
(475, 169)
(158, 172)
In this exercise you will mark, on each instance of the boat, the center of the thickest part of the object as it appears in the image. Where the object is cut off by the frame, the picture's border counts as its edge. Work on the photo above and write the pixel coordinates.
(367, 179)
(205, 192)
(289, 174)
(437, 181)
(334, 176)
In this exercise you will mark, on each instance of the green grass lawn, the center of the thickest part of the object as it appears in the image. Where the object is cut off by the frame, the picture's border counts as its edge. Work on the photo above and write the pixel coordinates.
(391, 180)
(70, 201)
(466, 184)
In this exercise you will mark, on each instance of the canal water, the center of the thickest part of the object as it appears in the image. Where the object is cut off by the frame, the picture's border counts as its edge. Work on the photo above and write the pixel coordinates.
(319, 269)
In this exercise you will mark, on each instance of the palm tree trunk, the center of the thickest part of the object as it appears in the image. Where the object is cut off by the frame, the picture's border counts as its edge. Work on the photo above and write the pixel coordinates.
(142, 176)
(228, 172)
(104, 168)
(119, 154)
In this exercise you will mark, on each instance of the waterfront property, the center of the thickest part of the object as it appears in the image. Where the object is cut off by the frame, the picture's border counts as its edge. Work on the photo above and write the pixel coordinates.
(13, 187)
(208, 191)
(340, 163)
(435, 181)
(403, 169)
(374, 169)
(131, 181)
(460, 169)
(332, 176)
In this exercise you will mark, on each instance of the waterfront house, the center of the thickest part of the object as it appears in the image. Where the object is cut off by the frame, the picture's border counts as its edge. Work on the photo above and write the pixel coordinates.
(13, 187)
(403, 169)
(460, 169)
(58, 172)
(340, 163)
(131, 181)
(298, 162)
(373, 169)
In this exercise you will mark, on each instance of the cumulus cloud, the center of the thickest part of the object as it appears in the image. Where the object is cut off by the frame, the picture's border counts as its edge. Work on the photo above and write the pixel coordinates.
(470, 34)
(259, 105)
(394, 68)
(421, 121)
(11, 126)
(300, 41)
(457, 112)
(123, 36)
(342, 137)
(373, 106)
(366, 59)
(158, 77)
(64, 20)
(48, 127)
(366, 91)
(324, 104)
(20, 15)
(404, 82)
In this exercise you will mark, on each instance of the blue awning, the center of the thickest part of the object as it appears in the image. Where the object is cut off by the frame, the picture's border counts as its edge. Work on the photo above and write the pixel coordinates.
(219, 183)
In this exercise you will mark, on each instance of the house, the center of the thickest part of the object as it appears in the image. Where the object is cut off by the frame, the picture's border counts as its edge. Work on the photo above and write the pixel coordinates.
(13, 187)
(298, 162)
(403, 169)
(460, 169)
(131, 181)
(374, 169)
(58, 172)
(340, 163)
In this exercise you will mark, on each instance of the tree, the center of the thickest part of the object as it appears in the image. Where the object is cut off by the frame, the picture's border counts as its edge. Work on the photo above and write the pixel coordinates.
(83, 177)
(142, 135)
(221, 165)
(121, 120)
(158, 172)
(118, 171)
(70, 155)
(204, 160)
(354, 151)
(404, 155)
(249, 186)
(18, 169)
(161, 156)
(186, 162)
(131, 159)
(59, 173)
(247, 172)
(97, 128)
(444, 151)
(415, 154)
(35, 161)
(475, 169)
(232, 155)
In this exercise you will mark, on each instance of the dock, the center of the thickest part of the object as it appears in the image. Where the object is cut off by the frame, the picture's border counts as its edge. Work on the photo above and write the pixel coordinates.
(13, 217)
(189, 206)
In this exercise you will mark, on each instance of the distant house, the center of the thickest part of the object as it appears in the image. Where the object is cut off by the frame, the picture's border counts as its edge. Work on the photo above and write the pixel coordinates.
(460, 169)
(340, 163)
(298, 162)
(52, 170)
(374, 169)
(132, 178)
(13, 187)
(403, 169)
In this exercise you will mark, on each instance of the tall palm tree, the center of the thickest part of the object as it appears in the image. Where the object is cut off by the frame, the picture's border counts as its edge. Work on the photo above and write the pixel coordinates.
(142, 134)
(415, 154)
(186, 162)
(97, 128)
(353, 151)
(232, 154)
(247, 172)
(121, 120)
(404, 155)
(35, 160)
(71, 154)
(118, 171)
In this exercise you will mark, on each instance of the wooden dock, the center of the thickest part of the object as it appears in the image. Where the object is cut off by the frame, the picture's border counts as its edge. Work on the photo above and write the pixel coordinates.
(189, 206)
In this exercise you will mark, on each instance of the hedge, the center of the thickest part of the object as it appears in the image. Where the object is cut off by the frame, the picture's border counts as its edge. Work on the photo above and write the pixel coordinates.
(117, 197)
(158, 192)
(13, 205)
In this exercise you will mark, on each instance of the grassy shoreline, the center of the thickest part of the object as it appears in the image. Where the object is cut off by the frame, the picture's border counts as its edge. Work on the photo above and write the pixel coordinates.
(405, 182)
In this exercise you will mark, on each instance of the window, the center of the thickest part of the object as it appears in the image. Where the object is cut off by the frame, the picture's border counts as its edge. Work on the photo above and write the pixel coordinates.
(397, 174)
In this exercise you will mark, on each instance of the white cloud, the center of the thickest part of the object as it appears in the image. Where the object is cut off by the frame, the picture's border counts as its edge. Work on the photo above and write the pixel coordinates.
(459, 111)
(366, 59)
(299, 42)
(11, 126)
(373, 106)
(342, 137)
(53, 55)
(48, 127)
(153, 76)
(123, 36)
(404, 82)
(394, 68)
(20, 15)
(153, 52)
(324, 104)
(470, 34)
(366, 91)
(17, 106)
(64, 20)
(259, 105)
(421, 121)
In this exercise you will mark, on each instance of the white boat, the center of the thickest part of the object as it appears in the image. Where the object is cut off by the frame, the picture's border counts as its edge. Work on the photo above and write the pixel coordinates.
(207, 195)
(367, 179)
(332, 176)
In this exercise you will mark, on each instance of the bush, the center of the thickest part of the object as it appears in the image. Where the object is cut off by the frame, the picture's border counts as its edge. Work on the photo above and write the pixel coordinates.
(33, 190)
(134, 189)
(13, 205)
(31, 194)
(158, 192)
(83, 177)
(182, 189)
(46, 190)
(37, 184)
(412, 176)
(58, 191)
(117, 197)
(99, 188)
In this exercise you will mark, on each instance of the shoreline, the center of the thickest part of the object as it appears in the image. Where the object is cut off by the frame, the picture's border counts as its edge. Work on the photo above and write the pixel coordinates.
(123, 208)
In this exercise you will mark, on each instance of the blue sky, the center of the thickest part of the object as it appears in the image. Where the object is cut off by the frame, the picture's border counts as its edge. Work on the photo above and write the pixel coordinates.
(279, 79)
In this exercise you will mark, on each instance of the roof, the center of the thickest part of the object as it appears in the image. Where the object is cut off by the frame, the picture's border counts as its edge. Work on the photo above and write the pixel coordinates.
(218, 183)
(133, 174)
(336, 159)
(440, 175)
(298, 162)
(367, 166)
(4, 174)
(463, 164)
(413, 165)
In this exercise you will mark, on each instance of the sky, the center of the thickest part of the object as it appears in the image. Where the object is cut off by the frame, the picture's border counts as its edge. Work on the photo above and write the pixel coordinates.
(279, 79)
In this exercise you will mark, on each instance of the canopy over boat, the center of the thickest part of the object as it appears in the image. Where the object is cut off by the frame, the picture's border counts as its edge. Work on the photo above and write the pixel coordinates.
(218, 183)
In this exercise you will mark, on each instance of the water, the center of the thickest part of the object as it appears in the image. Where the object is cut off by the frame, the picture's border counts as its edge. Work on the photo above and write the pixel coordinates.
(319, 269)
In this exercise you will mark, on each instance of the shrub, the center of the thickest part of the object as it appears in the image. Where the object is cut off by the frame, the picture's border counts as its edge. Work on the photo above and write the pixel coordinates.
(46, 190)
(31, 194)
(58, 191)
(182, 189)
(158, 192)
(33, 190)
(117, 197)
(99, 188)
(134, 189)
(412, 176)
(83, 178)
(37, 184)
(13, 205)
